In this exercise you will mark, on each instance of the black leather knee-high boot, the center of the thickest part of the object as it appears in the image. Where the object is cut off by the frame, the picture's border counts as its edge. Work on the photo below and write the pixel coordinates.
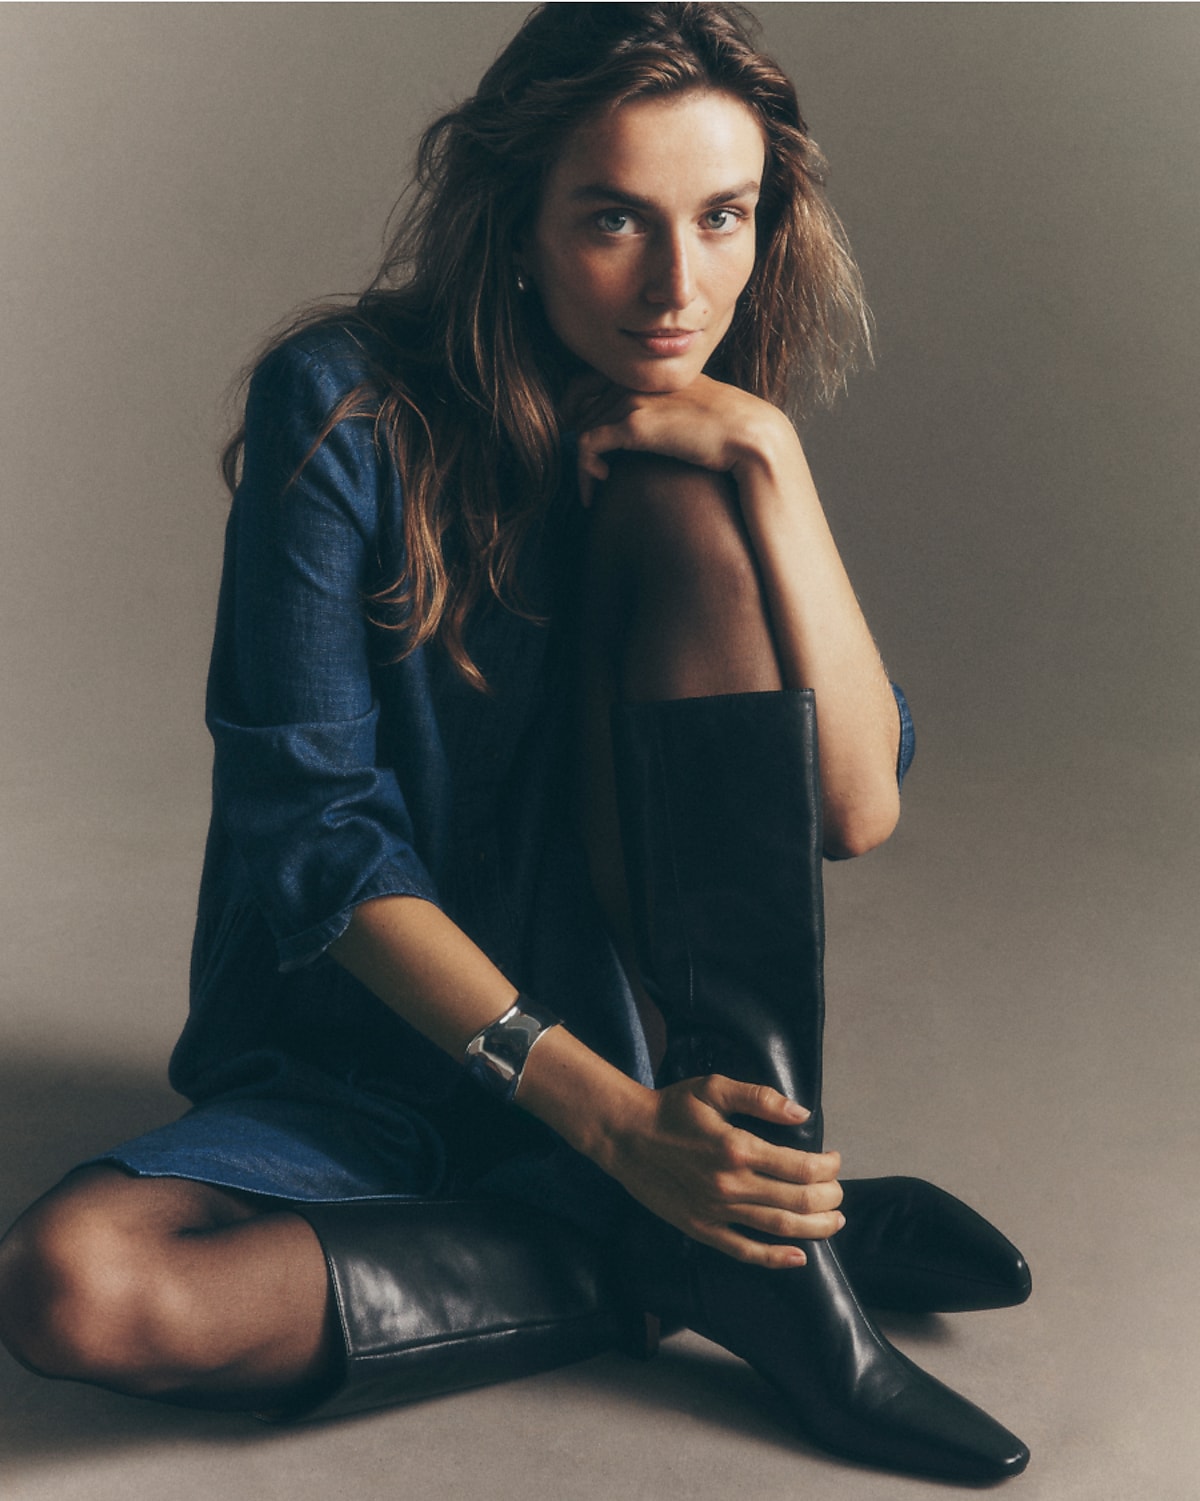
(434, 1296)
(720, 815)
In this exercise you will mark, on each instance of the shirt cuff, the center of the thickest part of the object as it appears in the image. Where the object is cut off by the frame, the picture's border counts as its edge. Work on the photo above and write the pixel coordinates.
(392, 878)
(908, 736)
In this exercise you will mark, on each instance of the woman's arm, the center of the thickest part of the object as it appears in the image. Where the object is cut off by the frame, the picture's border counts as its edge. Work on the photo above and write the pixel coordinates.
(673, 1149)
(821, 636)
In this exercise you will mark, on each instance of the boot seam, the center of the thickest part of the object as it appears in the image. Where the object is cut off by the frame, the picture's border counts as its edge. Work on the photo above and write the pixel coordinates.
(684, 928)
(470, 1336)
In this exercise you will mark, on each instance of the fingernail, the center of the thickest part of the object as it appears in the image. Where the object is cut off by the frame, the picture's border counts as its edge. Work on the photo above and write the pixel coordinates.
(841, 1219)
(797, 1112)
(795, 1258)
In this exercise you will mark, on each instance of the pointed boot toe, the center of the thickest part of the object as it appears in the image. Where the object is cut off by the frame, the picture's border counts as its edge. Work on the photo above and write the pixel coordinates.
(947, 1436)
(911, 1247)
(848, 1389)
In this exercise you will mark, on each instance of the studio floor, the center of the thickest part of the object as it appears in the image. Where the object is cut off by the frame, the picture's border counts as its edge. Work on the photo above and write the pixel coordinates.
(1013, 1013)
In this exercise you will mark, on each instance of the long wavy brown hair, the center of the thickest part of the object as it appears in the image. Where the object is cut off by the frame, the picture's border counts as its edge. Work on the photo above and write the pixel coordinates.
(465, 370)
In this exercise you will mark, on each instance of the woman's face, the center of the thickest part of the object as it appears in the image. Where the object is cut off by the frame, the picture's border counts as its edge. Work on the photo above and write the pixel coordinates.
(645, 236)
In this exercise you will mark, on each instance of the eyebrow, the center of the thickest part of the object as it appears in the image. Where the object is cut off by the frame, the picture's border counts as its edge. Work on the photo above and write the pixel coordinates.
(605, 192)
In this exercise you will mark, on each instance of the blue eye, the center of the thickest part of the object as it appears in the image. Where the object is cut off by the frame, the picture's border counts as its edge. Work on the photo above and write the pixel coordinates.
(723, 219)
(612, 221)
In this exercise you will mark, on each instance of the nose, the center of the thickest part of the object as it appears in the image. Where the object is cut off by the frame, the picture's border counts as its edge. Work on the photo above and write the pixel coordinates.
(671, 282)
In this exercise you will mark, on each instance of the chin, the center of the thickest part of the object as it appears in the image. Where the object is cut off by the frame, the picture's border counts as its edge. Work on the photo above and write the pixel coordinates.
(659, 380)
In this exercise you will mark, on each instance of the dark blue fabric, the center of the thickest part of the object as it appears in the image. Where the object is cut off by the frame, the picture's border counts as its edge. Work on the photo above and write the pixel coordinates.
(296, 1149)
(908, 736)
(340, 776)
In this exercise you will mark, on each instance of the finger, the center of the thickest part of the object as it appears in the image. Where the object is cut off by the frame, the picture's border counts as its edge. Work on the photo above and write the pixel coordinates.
(607, 409)
(596, 404)
(733, 1097)
(780, 1196)
(604, 437)
(792, 1166)
(788, 1226)
(742, 1152)
(592, 470)
(626, 423)
(753, 1252)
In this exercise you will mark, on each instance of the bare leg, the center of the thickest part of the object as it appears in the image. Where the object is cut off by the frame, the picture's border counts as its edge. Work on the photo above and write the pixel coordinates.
(169, 1289)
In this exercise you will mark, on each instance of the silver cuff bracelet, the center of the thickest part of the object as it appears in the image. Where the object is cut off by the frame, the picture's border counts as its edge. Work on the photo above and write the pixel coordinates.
(495, 1057)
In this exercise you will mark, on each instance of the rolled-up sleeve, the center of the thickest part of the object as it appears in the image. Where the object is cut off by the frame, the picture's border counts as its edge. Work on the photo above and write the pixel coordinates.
(317, 822)
(908, 736)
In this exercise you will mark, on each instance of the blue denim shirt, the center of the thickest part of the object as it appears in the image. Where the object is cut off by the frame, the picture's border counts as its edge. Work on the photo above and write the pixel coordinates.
(340, 775)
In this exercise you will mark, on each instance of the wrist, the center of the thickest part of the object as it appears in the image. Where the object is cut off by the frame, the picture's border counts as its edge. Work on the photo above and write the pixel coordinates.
(585, 1099)
(766, 449)
(623, 1109)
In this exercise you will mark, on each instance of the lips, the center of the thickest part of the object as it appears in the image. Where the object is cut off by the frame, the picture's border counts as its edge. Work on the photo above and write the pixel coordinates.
(664, 341)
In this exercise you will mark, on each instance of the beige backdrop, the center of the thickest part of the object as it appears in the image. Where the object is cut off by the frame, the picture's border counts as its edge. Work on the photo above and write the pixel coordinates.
(1014, 487)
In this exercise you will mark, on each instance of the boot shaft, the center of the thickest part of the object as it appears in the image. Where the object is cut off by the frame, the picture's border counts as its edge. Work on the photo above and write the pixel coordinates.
(720, 811)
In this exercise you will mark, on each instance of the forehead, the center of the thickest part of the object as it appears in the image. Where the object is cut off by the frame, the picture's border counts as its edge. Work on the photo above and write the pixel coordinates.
(702, 138)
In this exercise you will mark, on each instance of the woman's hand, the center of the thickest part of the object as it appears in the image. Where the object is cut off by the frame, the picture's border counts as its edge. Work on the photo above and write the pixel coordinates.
(676, 1151)
(682, 1158)
(708, 424)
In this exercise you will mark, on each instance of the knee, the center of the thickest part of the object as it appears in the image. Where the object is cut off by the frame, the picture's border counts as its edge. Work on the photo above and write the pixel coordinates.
(72, 1298)
(674, 524)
